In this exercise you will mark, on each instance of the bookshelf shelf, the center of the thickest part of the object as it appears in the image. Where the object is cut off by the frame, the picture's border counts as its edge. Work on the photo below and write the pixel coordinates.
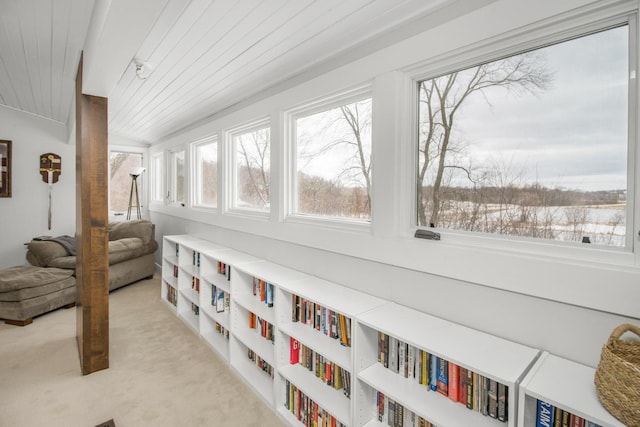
(250, 337)
(187, 314)
(566, 385)
(217, 339)
(260, 381)
(322, 394)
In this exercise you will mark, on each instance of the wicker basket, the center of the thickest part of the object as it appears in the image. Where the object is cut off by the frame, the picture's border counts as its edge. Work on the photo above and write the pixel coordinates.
(617, 377)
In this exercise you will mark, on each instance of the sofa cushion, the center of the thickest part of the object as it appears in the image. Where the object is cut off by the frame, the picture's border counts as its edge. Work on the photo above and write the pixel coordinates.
(66, 262)
(125, 244)
(15, 278)
(140, 228)
(27, 293)
(41, 252)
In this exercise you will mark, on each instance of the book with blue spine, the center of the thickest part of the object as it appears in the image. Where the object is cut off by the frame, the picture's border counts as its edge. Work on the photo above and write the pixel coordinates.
(442, 377)
(545, 414)
(433, 368)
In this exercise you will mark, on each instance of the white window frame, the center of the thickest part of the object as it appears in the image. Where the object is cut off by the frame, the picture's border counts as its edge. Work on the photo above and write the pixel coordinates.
(511, 44)
(171, 177)
(194, 172)
(156, 182)
(329, 102)
(230, 182)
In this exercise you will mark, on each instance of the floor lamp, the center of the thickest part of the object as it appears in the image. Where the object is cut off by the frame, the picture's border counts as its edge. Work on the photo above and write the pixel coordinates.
(135, 173)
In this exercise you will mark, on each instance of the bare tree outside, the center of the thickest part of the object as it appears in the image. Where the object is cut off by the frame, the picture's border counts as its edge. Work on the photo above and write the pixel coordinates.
(253, 164)
(478, 171)
(334, 162)
(441, 99)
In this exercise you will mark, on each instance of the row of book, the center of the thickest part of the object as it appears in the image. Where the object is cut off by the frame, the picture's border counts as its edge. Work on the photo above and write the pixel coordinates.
(328, 372)
(220, 299)
(196, 259)
(260, 325)
(222, 330)
(308, 412)
(224, 269)
(264, 291)
(195, 284)
(392, 413)
(175, 271)
(548, 415)
(328, 322)
(260, 362)
(172, 295)
(195, 309)
(476, 392)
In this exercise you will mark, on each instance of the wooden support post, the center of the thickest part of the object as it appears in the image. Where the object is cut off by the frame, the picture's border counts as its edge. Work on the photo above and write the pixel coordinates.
(92, 263)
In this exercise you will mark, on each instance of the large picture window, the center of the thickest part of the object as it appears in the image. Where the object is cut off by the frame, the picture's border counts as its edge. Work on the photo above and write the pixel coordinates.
(532, 145)
(333, 161)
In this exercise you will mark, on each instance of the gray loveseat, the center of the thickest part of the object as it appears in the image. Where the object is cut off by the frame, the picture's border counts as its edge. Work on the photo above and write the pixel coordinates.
(131, 248)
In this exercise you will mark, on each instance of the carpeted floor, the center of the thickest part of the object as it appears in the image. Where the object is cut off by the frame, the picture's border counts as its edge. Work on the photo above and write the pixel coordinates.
(161, 373)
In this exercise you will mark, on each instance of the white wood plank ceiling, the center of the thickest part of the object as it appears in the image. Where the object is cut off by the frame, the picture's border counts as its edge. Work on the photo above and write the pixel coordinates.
(201, 56)
(40, 45)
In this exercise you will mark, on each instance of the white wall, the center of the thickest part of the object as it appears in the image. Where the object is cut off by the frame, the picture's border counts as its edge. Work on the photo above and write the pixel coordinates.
(562, 300)
(24, 215)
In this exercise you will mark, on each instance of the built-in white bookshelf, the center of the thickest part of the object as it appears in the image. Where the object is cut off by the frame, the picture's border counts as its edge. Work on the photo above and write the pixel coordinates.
(498, 360)
(250, 311)
(568, 386)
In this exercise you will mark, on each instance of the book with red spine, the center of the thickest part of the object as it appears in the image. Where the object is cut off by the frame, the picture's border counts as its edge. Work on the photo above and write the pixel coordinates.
(294, 351)
(454, 372)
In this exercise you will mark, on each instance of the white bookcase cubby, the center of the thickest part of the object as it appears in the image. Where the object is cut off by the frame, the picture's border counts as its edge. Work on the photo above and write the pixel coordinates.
(494, 358)
(329, 302)
(568, 386)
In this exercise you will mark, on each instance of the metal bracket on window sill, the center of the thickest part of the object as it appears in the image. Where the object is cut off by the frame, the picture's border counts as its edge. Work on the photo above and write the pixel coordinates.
(427, 234)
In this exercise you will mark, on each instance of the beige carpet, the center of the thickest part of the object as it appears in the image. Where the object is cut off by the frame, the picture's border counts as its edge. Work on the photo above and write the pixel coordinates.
(161, 373)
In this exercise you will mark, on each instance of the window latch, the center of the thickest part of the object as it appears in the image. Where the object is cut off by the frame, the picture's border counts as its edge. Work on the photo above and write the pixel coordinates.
(427, 234)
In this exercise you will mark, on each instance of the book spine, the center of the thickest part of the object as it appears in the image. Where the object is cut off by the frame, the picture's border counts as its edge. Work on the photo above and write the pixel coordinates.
(401, 357)
(557, 419)
(492, 404)
(576, 421)
(442, 381)
(433, 369)
(454, 371)
(544, 414)
(425, 368)
(294, 356)
(503, 402)
(411, 362)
